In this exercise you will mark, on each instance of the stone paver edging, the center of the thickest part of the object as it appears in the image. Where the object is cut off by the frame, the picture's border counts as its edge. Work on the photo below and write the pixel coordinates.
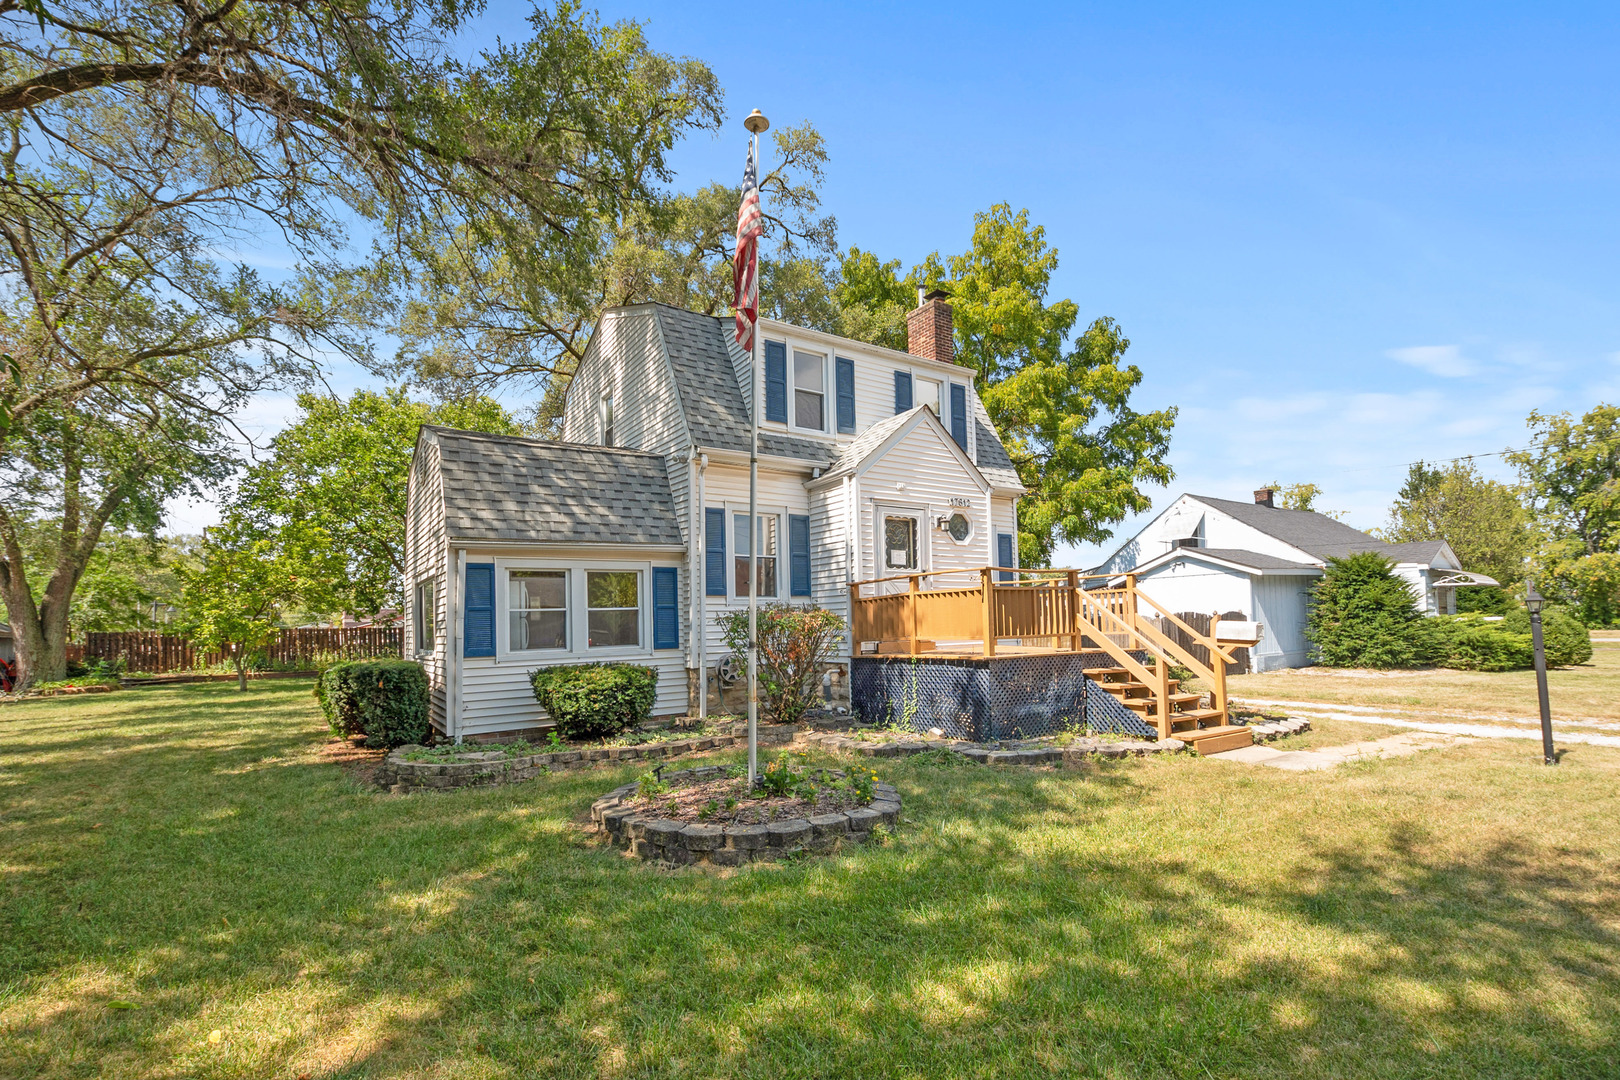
(478, 768)
(1073, 754)
(643, 835)
(1276, 729)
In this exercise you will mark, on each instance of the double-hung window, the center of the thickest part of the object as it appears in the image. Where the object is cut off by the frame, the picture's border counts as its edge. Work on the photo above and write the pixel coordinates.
(768, 524)
(422, 616)
(809, 390)
(538, 602)
(613, 607)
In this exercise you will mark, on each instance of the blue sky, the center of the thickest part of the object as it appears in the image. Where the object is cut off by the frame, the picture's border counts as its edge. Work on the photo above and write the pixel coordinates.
(1339, 240)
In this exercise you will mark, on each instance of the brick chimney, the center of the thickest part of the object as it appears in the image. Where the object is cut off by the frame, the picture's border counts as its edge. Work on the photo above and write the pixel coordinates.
(1263, 497)
(928, 329)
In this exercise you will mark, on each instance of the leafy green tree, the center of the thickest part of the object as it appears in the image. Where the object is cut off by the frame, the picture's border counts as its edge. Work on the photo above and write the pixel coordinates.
(127, 575)
(1060, 400)
(332, 492)
(873, 299)
(235, 597)
(1302, 497)
(1362, 615)
(1483, 520)
(1571, 475)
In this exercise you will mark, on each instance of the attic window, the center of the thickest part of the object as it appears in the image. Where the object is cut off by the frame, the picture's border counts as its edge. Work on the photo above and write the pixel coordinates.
(605, 411)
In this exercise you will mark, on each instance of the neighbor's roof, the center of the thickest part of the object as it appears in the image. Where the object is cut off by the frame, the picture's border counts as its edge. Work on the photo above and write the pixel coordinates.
(535, 491)
(1320, 535)
(1234, 557)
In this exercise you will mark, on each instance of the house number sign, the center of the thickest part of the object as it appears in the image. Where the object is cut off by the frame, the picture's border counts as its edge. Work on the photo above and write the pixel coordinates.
(960, 502)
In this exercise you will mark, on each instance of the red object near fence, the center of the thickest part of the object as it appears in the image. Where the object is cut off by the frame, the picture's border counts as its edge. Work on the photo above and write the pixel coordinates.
(156, 652)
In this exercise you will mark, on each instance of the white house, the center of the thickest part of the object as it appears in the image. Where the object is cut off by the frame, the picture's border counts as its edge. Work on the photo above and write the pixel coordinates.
(1218, 556)
(623, 540)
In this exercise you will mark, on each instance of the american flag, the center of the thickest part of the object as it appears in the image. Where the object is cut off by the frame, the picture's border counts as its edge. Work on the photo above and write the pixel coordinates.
(745, 267)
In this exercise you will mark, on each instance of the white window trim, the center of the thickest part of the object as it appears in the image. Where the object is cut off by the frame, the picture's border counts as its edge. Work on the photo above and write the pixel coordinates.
(793, 392)
(429, 618)
(578, 615)
(925, 525)
(735, 510)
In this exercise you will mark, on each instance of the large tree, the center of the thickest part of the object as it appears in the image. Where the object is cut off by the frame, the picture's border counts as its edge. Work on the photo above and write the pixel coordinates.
(329, 501)
(1060, 399)
(1571, 474)
(1483, 520)
(147, 145)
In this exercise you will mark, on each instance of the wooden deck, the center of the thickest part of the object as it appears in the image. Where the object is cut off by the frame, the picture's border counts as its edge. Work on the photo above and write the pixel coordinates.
(992, 611)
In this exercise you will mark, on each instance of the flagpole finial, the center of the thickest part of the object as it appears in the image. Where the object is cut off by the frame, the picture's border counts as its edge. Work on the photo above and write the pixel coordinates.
(756, 122)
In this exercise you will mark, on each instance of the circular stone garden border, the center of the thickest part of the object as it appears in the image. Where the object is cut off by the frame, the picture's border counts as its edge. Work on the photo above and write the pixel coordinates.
(680, 843)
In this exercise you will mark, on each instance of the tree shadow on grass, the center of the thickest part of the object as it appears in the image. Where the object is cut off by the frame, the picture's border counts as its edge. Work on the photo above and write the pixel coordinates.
(1023, 923)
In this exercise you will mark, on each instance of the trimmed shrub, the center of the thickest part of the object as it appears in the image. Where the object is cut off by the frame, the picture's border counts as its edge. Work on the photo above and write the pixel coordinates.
(1362, 615)
(594, 701)
(384, 700)
(1469, 643)
(1566, 638)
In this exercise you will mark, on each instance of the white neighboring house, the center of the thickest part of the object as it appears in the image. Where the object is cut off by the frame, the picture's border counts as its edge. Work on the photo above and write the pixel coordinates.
(622, 540)
(1218, 556)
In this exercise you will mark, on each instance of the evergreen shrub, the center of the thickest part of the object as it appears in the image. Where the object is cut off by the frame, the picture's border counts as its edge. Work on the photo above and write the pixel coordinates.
(1363, 615)
(1469, 643)
(594, 701)
(1566, 638)
(384, 700)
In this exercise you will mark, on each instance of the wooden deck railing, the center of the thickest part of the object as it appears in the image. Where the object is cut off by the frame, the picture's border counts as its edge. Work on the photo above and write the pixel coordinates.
(970, 611)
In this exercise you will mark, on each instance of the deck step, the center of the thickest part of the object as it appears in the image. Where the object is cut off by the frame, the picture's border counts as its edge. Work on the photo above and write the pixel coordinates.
(1178, 703)
(1215, 740)
(1197, 716)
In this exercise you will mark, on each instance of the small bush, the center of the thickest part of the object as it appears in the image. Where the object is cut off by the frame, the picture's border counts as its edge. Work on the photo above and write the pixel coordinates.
(384, 700)
(1468, 643)
(794, 644)
(1566, 638)
(594, 701)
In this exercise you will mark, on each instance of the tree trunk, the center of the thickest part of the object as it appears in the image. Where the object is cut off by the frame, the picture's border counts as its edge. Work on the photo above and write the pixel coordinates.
(39, 657)
(240, 660)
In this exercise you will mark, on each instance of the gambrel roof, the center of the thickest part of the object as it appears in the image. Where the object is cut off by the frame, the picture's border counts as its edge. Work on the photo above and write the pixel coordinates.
(536, 491)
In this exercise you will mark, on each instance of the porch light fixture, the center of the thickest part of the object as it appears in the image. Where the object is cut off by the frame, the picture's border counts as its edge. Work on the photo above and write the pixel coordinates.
(1533, 603)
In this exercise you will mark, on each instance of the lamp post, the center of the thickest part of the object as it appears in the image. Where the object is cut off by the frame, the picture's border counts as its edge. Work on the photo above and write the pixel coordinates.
(1533, 602)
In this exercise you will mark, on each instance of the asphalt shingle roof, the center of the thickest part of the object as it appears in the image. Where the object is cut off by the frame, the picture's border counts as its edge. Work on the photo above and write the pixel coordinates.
(535, 491)
(1318, 534)
(1254, 560)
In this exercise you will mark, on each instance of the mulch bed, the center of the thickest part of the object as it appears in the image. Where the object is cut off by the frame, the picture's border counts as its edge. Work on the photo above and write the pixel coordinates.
(684, 802)
(359, 761)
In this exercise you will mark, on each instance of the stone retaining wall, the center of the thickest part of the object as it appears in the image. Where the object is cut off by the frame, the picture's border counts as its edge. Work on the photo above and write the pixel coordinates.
(1073, 754)
(480, 768)
(678, 843)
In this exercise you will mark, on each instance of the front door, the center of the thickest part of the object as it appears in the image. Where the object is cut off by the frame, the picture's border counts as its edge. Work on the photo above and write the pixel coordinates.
(901, 542)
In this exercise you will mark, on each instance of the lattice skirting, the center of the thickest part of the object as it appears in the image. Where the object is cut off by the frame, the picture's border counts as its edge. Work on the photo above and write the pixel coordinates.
(990, 698)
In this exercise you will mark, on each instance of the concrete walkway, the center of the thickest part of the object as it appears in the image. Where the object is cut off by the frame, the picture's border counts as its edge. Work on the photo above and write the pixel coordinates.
(1329, 756)
(1361, 714)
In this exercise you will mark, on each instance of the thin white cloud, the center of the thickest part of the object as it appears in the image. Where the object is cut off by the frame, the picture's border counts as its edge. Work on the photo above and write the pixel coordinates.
(1447, 361)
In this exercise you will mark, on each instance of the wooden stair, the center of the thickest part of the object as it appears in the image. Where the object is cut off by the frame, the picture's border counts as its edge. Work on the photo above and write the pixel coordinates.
(1204, 730)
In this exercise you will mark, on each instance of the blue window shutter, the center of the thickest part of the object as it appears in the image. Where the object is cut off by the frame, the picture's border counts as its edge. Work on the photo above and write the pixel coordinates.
(666, 608)
(846, 396)
(478, 638)
(1004, 554)
(714, 552)
(776, 381)
(959, 414)
(902, 391)
(798, 555)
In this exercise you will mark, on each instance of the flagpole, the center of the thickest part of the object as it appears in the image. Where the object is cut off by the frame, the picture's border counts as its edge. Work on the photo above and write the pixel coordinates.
(755, 123)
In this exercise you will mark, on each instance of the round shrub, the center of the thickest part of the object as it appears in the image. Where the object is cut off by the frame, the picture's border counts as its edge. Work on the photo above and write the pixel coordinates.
(1469, 643)
(594, 701)
(1566, 638)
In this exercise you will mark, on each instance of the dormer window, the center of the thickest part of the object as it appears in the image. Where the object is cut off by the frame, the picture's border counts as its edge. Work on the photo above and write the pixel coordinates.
(809, 390)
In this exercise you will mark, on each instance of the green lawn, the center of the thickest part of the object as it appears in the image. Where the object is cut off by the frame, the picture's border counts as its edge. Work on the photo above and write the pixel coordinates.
(189, 853)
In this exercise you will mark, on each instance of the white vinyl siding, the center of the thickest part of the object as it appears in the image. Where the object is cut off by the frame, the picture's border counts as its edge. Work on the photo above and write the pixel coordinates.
(425, 560)
(1280, 606)
(625, 363)
(925, 462)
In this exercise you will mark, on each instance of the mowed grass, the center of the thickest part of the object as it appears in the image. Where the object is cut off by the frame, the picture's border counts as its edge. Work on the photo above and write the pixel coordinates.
(188, 854)
(1588, 691)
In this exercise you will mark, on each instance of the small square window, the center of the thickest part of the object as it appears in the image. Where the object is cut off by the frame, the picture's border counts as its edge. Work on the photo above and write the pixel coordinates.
(538, 604)
(613, 607)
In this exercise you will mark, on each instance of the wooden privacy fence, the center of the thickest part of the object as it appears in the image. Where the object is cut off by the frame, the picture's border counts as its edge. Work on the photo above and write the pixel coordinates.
(1203, 624)
(156, 652)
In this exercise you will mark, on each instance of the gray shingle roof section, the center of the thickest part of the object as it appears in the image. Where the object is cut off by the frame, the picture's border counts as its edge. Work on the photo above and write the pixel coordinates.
(867, 441)
(1254, 560)
(534, 491)
(715, 410)
(994, 463)
(1320, 535)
